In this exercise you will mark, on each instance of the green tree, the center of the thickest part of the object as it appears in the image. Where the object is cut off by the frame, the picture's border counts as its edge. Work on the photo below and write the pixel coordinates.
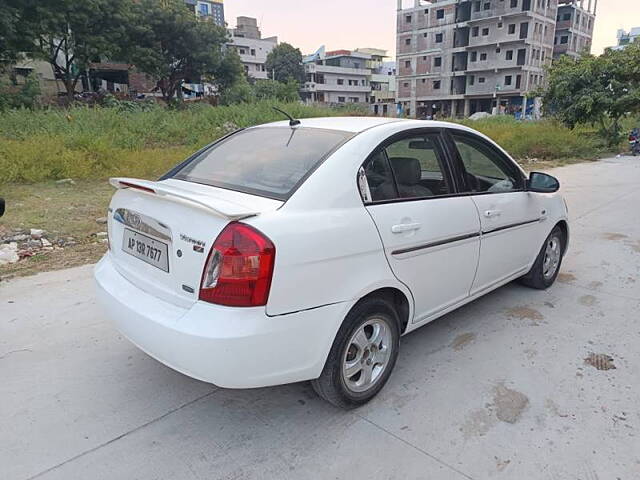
(14, 39)
(20, 96)
(597, 90)
(285, 62)
(240, 91)
(70, 34)
(169, 43)
(272, 89)
(230, 70)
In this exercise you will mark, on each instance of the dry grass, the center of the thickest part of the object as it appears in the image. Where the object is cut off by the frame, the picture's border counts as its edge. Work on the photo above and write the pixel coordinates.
(63, 211)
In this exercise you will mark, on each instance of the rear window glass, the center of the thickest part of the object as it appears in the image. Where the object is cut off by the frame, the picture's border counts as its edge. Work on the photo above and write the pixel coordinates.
(267, 161)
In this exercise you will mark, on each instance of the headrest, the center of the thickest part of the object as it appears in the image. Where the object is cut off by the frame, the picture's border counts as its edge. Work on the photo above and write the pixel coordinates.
(407, 170)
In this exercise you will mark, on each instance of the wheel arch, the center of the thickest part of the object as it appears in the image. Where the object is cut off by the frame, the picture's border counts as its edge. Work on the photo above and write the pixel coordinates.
(396, 297)
(564, 227)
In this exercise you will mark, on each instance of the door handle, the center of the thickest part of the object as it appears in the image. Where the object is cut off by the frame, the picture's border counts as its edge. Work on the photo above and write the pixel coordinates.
(492, 213)
(405, 227)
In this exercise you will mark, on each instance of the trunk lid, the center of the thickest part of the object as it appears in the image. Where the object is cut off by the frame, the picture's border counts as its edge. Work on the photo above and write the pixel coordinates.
(160, 233)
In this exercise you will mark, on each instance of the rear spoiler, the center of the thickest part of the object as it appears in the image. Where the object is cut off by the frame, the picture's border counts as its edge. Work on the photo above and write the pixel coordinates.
(222, 208)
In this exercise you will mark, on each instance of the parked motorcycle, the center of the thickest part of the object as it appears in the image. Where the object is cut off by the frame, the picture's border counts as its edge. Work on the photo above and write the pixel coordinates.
(634, 142)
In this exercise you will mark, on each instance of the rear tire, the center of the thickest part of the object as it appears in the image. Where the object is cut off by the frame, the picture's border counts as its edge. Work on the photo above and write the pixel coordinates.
(545, 269)
(362, 356)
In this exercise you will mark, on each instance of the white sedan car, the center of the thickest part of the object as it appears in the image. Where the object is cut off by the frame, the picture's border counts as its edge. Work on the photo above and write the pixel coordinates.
(303, 250)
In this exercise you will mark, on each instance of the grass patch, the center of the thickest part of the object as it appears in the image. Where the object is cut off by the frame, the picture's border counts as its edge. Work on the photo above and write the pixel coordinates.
(96, 143)
(545, 140)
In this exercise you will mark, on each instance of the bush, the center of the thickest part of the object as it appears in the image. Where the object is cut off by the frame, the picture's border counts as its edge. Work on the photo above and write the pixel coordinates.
(272, 89)
(146, 105)
(545, 139)
(239, 92)
(244, 92)
(23, 96)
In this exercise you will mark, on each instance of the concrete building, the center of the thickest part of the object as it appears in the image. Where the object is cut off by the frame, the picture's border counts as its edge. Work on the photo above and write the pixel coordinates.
(247, 27)
(458, 57)
(340, 76)
(627, 38)
(383, 90)
(382, 81)
(42, 70)
(247, 39)
(574, 27)
(209, 9)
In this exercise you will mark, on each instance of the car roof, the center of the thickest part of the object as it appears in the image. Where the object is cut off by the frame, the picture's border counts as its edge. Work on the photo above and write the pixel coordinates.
(345, 124)
(360, 124)
(385, 126)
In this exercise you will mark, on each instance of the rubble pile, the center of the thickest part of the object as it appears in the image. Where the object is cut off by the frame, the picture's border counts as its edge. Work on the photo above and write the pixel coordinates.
(16, 244)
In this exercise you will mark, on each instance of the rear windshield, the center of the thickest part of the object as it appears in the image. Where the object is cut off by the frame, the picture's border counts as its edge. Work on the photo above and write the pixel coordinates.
(267, 161)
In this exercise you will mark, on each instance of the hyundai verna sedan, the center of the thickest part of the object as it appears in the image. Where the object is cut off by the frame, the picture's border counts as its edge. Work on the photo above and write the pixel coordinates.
(303, 250)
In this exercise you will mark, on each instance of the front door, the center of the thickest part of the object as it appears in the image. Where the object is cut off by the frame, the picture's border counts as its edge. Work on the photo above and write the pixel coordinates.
(431, 239)
(511, 218)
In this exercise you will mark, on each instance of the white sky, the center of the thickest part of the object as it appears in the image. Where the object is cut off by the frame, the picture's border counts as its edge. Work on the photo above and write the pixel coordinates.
(350, 24)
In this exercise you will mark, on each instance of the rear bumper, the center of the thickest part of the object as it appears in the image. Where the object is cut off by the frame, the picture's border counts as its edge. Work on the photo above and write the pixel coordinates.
(229, 347)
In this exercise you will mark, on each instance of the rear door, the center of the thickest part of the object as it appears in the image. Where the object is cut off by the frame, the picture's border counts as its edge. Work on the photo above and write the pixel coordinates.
(430, 236)
(511, 218)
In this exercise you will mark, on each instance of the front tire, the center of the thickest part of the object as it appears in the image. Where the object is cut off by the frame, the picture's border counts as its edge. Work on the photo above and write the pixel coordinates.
(362, 356)
(547, 265)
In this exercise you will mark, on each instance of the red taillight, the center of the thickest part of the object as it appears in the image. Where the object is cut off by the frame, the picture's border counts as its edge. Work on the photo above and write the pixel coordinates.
(239, 268)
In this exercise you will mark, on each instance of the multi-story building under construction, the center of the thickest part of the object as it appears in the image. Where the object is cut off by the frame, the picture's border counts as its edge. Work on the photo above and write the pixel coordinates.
(574, 27)
(458, 57)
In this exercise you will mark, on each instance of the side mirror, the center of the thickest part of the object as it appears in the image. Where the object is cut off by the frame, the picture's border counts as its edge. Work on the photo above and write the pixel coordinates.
(1, 206)
(542, 183)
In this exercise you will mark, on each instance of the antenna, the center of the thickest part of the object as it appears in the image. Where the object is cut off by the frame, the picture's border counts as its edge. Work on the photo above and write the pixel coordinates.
(292, 121)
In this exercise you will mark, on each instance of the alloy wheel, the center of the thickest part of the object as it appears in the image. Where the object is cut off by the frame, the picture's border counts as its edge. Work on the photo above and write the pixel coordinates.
(552, 256)
(367, 355)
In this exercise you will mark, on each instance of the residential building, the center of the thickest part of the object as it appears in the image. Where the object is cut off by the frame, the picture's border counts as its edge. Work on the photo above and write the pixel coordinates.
(627, 38)
(574, 27)
(382, 81)
(339, 76)
(208, 9)
(247, 39)
(458, 57)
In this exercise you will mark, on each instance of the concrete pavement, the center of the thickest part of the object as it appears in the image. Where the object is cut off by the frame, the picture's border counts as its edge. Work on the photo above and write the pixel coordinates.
(497, 389)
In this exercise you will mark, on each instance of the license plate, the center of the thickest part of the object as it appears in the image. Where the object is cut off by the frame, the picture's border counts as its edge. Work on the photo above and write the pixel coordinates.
(147, 249)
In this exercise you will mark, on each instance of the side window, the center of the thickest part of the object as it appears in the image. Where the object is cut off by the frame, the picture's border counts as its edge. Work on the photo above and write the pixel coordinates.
(417, 167)
(485, 169)
(408, 168)
(380, 178)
